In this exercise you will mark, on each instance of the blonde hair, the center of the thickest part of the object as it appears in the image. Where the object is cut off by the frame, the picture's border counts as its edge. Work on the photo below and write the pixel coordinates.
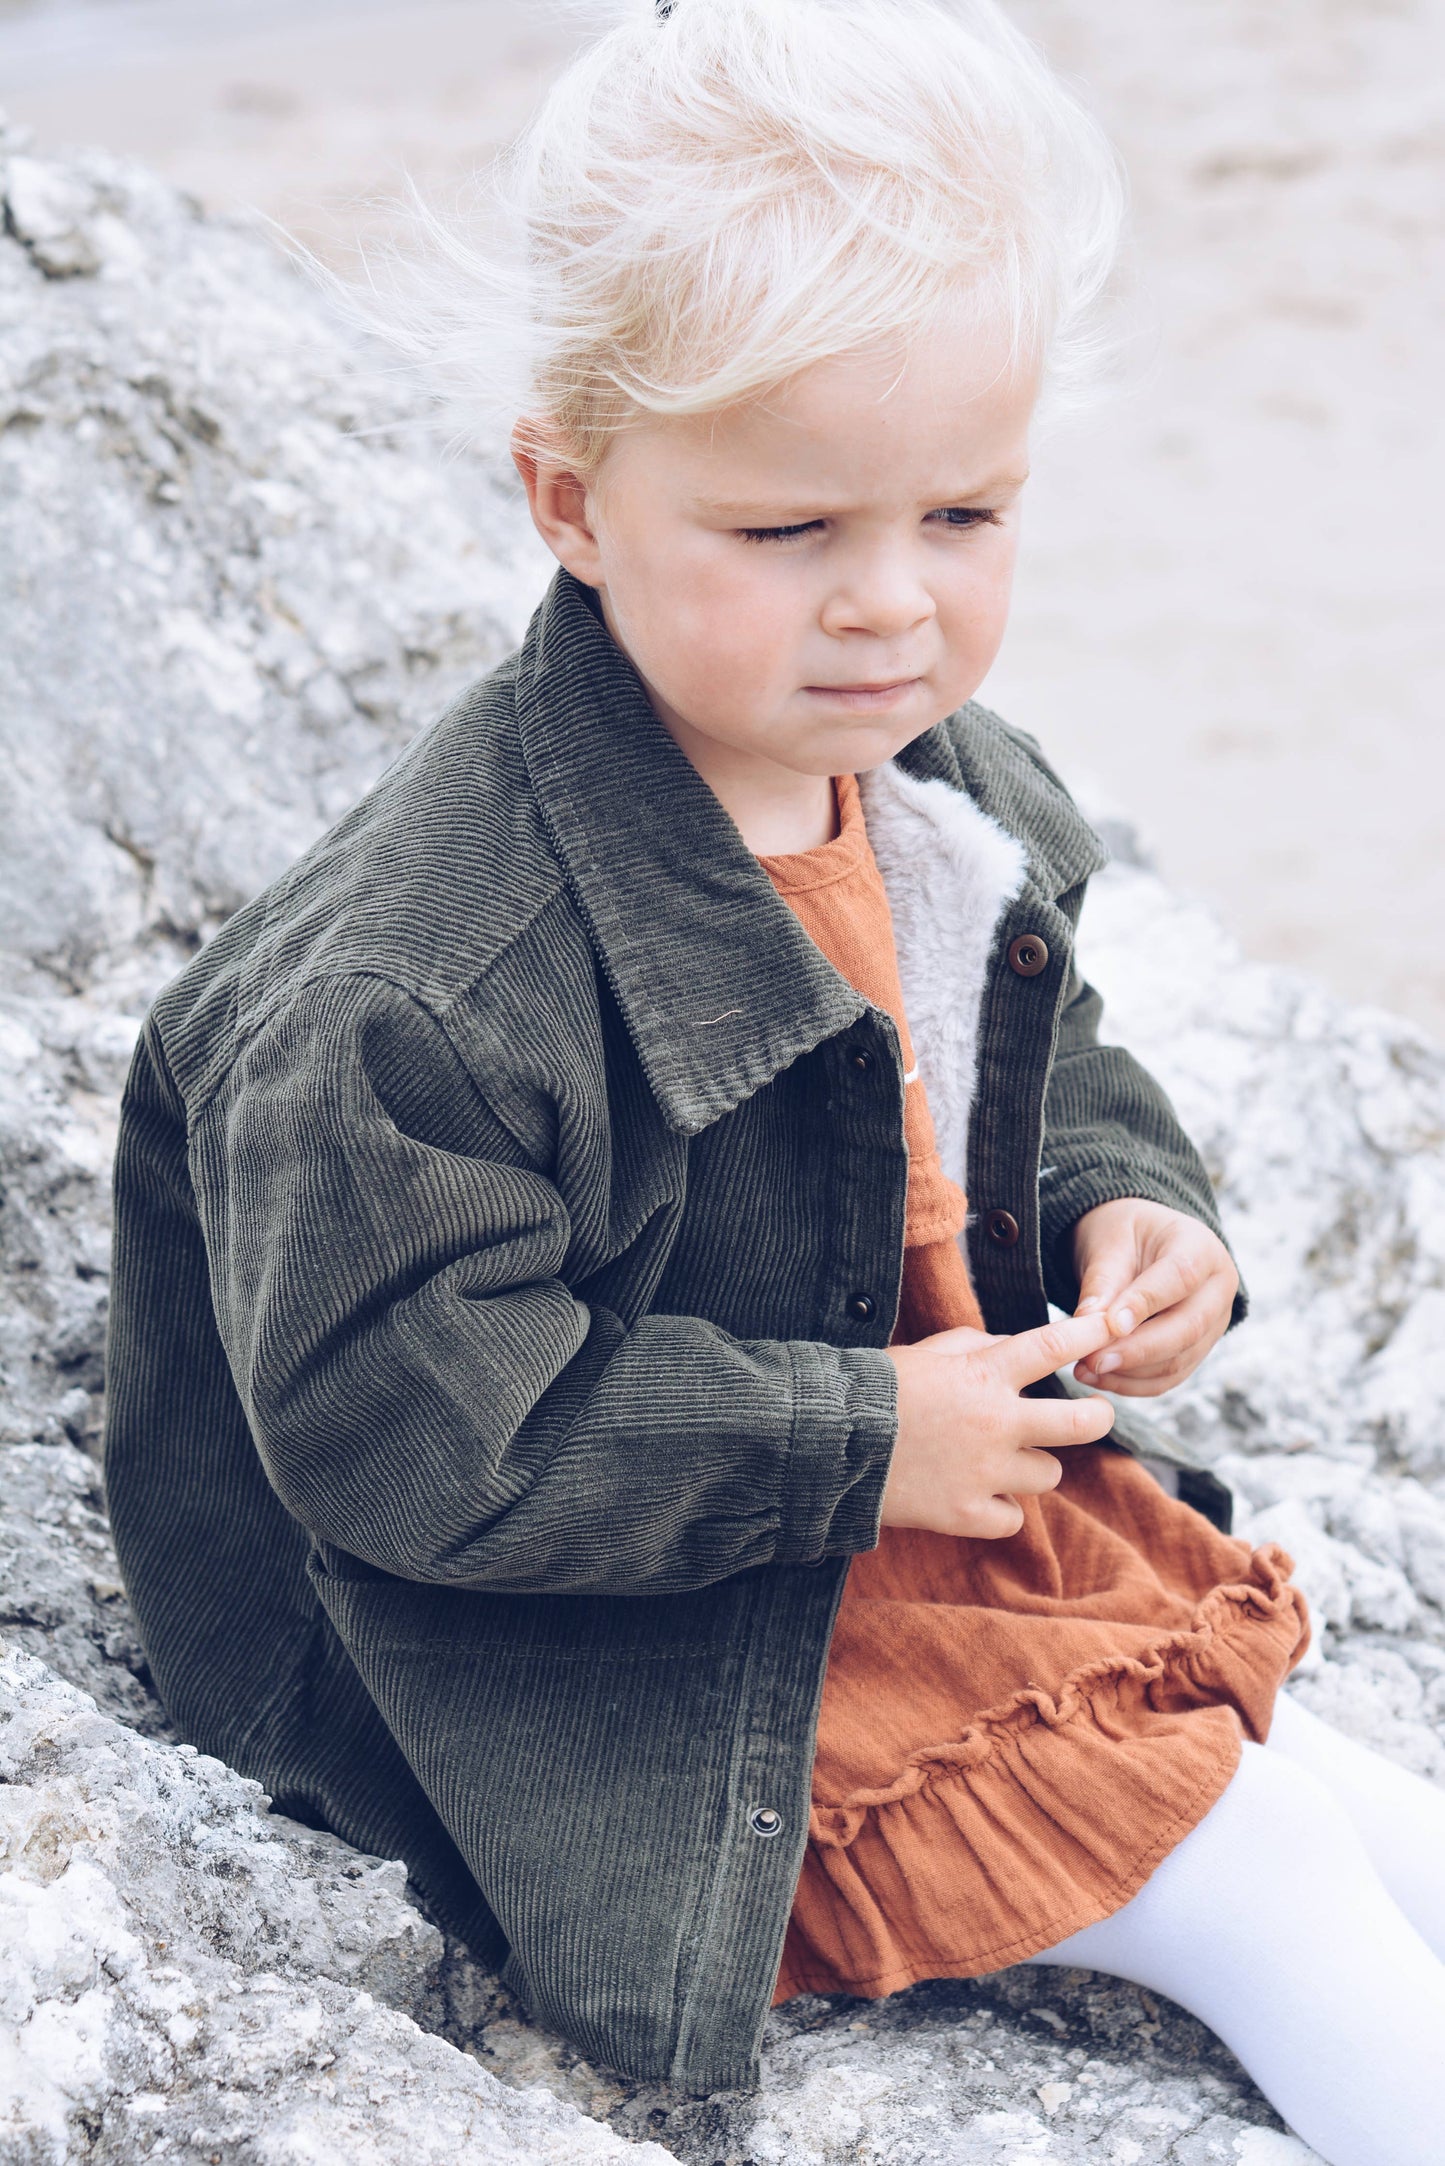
(714, 195)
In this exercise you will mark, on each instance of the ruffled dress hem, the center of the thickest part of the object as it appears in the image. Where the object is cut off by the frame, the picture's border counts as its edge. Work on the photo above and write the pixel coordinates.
(1016, 1835)
(1208, 1793)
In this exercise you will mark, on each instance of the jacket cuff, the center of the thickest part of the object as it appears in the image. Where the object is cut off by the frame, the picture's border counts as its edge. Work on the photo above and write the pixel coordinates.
(1061, 1208)
(844, 1429)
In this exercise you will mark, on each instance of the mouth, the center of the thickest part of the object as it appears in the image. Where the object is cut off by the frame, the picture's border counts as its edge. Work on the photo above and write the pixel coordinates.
(866, 695)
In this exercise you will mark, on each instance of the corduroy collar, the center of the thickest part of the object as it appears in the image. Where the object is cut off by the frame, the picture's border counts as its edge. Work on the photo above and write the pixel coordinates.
(718, 983)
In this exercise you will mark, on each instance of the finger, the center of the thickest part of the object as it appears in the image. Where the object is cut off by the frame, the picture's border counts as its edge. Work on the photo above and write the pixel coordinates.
(1035, 1473)
(1050, 1425)
(1150, 1387)
(1110, 1268)
(1157, 1377)
(1171, 1279)
(1149, 1379)
(1203, 1314)
(995, 1520)
(1159, 1343)
(1029, 1356)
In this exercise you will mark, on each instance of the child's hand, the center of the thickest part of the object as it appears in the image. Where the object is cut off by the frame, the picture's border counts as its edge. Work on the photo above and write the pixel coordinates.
(1139, 1261)
(968, 1445)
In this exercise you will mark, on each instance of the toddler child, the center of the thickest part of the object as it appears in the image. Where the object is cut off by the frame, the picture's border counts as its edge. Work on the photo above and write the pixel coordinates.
(568, 1428)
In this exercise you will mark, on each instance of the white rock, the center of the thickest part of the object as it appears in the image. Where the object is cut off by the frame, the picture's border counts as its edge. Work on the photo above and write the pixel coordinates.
(1322, 1565)
(1265, 2147)
(1402, 1387)
(52, 212)
(1374, 1694)
(1421, 1515)
(173, 1959)
(266, 603)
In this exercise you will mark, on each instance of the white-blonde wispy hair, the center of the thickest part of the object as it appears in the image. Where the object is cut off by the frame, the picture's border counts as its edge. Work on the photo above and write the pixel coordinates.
(715, 195)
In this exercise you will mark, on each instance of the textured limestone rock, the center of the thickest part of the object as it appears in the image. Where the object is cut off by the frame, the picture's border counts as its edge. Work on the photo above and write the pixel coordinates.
(225, 603)
(60, 1592)
(230, 595)
(181, 1973)
(1063, 2068)
(225, 606)
(62, 1063)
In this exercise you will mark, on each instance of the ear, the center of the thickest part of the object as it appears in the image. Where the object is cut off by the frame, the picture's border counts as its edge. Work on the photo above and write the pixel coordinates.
(560, 501)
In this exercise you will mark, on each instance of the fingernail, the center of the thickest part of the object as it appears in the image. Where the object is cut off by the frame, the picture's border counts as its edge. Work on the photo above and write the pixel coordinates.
(1106, 1362)
(1123, 1320)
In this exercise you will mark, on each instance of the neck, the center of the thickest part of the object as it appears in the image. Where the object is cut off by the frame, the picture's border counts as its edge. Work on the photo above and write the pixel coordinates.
(776, 810)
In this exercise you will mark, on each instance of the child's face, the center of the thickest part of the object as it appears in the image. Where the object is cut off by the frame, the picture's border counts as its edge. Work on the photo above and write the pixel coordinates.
(824, 649)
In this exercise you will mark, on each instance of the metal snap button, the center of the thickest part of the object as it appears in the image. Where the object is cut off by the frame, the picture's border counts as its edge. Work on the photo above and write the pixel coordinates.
(862, 1059)
(862, 1308)
(1028, 955)
(1002, 1228)
(765, 1822)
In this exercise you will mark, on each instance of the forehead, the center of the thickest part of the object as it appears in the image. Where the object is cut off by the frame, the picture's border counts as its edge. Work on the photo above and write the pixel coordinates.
(946, 415)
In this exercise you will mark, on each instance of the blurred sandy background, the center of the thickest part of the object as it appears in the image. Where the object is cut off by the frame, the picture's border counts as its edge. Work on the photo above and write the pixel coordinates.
(1230, 610)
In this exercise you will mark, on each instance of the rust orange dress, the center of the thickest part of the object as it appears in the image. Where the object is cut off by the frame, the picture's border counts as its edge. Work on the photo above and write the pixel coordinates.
(1013, 1733)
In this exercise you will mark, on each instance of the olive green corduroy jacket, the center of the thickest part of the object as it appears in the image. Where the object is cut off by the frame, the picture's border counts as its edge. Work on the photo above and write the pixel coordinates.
(509, 1221)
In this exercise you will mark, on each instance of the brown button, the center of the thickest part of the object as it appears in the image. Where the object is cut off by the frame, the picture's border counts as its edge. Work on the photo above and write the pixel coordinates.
(1028, 955)
(862, 1308)
(1002, 1227)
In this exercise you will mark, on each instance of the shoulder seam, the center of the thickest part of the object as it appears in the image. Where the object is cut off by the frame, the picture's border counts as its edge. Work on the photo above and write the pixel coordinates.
(437, 1012)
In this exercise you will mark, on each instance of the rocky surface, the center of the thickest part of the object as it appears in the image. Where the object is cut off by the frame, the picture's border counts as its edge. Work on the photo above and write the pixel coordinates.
(230, 592)
(182, 1972)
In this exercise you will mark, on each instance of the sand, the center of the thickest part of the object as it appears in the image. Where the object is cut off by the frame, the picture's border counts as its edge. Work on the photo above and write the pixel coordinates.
(1229, 615)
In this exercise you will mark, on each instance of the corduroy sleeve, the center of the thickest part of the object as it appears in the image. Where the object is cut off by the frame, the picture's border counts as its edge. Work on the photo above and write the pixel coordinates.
(1109, 1132)
(426, 1391)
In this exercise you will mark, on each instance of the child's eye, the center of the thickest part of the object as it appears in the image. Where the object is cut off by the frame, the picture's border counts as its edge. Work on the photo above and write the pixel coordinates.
(776, 533)
(959, 516)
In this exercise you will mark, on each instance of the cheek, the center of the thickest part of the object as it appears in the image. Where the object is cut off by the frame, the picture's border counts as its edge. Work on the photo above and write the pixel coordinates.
(726, 627)
(978, 604)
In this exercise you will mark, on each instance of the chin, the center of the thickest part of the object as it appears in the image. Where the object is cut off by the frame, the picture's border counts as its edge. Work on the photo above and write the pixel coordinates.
(874, 747)
(847, 756)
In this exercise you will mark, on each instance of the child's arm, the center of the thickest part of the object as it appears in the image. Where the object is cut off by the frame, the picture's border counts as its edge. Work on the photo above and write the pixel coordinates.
(1129, 1220)
(426, 1391)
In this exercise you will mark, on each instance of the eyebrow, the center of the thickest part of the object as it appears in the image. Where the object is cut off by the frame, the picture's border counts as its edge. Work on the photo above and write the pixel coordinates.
(754, 511)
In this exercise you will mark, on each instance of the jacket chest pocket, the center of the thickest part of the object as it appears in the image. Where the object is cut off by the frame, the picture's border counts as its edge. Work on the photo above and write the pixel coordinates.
(792, 1223)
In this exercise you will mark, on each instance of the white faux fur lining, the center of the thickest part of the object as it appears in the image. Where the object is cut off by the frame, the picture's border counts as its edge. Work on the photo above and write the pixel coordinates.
(950, 872)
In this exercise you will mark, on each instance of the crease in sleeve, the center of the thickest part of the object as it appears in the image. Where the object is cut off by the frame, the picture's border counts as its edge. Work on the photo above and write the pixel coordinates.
(845, 1426)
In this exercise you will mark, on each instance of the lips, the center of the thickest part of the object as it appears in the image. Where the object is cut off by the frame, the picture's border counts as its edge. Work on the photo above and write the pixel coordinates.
(889, 684)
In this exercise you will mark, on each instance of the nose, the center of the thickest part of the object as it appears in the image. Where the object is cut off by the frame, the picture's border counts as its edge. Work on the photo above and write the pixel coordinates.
(878, 590)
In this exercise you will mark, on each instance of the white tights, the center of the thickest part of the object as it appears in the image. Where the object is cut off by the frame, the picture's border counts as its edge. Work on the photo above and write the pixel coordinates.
(1303, 1920)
